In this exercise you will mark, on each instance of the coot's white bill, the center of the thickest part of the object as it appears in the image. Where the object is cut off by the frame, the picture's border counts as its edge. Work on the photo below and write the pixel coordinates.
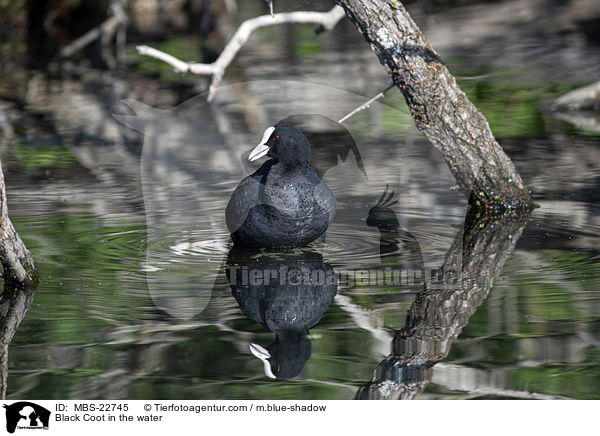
(259, 351)
(258, 152)
(262, 148)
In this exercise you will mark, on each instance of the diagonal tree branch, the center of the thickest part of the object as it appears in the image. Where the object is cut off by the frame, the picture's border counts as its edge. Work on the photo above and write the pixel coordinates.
(441, 110)
(325, 20)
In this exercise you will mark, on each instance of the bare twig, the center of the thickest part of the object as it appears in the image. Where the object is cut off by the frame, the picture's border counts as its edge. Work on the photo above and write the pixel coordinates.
(107, 29)
(87, 38)
(326, 20)
(368, 103)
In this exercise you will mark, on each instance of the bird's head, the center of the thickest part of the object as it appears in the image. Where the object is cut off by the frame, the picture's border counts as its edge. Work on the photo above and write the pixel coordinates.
(285, 144)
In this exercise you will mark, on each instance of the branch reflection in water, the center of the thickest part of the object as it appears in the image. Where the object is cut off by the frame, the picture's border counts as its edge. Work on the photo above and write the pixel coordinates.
(15, 301)
(438, 315)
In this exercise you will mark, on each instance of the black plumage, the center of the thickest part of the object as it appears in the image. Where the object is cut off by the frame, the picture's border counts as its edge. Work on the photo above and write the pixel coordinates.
(284, 203)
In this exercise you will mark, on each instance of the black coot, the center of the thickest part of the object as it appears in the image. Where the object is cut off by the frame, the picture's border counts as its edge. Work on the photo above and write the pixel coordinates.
(284, 203)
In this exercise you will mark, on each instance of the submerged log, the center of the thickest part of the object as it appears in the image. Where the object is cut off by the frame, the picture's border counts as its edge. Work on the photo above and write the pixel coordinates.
(14, 256)
(441, 110)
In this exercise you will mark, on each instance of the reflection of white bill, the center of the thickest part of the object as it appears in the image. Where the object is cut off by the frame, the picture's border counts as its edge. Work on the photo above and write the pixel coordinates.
(264, 356)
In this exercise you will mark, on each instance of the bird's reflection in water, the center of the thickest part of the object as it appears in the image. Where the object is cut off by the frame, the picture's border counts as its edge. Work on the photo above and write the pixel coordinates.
(287, 292)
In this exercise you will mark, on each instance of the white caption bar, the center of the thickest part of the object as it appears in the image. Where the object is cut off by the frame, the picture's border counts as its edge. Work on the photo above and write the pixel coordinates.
(159, 417)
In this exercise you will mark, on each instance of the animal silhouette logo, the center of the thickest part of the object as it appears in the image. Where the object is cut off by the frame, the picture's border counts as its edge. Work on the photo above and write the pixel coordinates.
(26, 415)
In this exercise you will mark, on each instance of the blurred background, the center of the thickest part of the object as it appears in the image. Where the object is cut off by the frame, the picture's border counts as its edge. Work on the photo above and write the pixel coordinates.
(80, 202)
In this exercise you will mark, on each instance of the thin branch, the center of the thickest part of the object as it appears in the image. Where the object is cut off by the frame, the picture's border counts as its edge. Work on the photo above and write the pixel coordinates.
(326, 20)
(368, 103)
(107, 28)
